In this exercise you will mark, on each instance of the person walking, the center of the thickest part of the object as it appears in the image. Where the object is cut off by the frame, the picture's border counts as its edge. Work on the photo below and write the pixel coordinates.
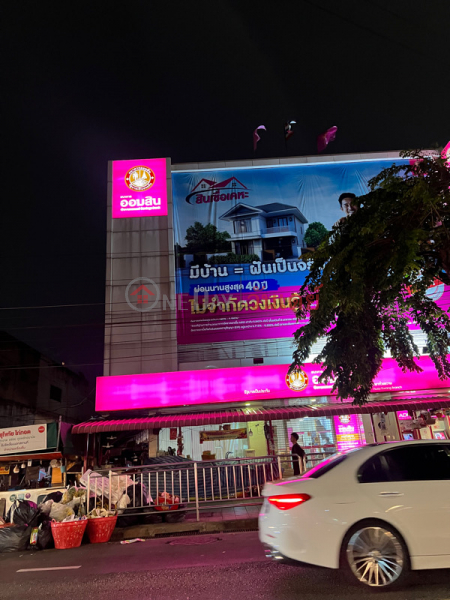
(298, 454)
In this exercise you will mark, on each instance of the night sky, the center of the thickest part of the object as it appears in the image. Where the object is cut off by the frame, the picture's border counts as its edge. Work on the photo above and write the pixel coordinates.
(88, 82)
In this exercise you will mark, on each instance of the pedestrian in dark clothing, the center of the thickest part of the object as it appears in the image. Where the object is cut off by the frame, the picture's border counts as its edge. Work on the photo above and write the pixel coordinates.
(298, 454)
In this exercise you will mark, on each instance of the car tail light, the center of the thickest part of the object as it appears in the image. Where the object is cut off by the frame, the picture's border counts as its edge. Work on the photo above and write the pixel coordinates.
(288, 501)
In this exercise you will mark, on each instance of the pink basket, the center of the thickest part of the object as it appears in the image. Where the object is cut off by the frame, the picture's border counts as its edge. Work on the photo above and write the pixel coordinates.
(68, 535)
(100, 529)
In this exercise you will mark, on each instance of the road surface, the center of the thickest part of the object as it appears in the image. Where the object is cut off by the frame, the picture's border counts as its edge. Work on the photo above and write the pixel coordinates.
(217, 567)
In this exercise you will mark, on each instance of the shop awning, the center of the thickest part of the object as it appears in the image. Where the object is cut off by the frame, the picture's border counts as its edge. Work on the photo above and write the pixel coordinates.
(23, 457)
(262, 414)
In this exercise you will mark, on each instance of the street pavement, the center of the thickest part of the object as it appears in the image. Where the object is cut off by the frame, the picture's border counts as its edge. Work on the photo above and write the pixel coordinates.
(218, 567)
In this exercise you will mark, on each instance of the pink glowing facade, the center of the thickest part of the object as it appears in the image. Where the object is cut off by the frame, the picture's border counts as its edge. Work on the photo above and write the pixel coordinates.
(139, 188)
(242, 384)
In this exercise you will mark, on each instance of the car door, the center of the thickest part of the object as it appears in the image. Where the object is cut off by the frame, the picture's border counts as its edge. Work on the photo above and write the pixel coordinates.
(410, 486)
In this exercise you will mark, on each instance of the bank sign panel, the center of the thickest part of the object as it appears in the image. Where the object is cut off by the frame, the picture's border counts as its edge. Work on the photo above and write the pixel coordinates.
(139, 188)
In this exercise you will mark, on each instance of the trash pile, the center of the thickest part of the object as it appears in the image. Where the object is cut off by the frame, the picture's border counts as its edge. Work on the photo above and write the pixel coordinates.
(25, 527)
(69, 507)
(28, 526)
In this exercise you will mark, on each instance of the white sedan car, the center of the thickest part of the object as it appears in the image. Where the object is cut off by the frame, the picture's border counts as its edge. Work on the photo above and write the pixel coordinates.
(376, 512)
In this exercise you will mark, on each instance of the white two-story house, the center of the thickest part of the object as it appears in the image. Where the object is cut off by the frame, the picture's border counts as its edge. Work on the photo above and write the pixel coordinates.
(270, 230)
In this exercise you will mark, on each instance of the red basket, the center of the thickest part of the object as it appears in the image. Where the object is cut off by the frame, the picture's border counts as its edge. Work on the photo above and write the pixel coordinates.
(68, 535)
(100, 529)
(166, 507)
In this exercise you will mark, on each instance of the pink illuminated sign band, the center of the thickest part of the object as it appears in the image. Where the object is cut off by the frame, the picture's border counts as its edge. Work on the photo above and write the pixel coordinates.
(243, 384)
(139, 188)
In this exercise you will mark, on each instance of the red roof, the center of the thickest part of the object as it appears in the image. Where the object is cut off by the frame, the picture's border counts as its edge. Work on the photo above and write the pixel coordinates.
(262, 414)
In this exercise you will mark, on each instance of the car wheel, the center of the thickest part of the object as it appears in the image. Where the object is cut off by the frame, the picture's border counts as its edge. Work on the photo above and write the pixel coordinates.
(375, 555)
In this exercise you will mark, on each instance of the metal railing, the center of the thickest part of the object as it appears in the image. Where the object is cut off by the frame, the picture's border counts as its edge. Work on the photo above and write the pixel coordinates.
(196, 485)
(281, 229)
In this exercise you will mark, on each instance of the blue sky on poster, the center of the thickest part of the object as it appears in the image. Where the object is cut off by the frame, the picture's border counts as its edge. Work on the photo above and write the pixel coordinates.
(313, 189)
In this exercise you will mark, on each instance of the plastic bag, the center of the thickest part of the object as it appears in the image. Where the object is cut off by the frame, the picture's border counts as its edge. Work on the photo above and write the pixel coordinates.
(46, 507)
(99, 485)
(14, 539)
(45, 537)
(123, 503)
(23, 512)
(55, 496)
(60, 512)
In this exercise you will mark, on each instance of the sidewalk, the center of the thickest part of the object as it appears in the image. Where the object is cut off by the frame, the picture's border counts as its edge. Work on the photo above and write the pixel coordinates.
(215, 520)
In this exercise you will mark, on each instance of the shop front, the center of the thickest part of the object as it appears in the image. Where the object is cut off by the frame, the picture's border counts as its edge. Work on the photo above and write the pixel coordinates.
(252, 412)
(199, 341)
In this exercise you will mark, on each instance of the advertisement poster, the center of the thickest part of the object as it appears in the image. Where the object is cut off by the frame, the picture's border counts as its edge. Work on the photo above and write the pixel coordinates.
(19, 440)
(240, 239)
(347, 428)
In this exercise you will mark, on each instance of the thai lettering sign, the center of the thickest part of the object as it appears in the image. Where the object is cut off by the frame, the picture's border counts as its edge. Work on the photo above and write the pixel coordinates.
(139, 188)
(26, 438)
(241, 384)
(347, 432)
(223, 434)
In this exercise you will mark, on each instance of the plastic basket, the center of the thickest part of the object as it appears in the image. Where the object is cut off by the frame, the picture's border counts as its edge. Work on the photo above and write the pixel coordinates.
(100, 529)
(166, 507)
(68, 535)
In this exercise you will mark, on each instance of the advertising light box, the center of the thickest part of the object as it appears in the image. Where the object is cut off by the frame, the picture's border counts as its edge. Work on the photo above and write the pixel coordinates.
(139, 188)
(243, 384)
(240, 240)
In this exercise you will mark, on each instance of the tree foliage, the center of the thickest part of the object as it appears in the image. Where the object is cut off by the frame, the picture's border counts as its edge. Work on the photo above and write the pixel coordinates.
(206, 238)
(315, 234)
(373, 271)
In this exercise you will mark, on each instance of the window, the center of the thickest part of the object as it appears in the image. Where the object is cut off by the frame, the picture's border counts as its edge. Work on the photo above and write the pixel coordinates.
(418, 462)
(55, 393)
(242, 226)
(325, 466)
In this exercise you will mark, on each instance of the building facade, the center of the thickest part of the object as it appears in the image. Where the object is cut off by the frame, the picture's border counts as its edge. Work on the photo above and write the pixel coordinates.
(203, 278)
(35, 389)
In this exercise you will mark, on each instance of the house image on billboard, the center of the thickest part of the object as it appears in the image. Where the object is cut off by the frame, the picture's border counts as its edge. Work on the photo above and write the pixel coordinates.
(271, 231)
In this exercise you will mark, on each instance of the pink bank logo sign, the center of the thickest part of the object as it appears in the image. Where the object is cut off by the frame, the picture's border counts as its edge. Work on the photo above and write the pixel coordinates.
(297, 381)
(139, 188)
(140, 179)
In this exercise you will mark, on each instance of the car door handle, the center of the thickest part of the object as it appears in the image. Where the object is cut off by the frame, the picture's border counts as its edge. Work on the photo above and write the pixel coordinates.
(390, 494)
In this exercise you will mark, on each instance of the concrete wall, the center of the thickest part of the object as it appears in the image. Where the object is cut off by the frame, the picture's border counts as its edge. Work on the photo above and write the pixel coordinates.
(257, 441)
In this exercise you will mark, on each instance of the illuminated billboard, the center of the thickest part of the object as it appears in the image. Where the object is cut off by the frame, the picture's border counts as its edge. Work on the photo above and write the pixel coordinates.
(139, 188)
(241, 384)
(240, 240)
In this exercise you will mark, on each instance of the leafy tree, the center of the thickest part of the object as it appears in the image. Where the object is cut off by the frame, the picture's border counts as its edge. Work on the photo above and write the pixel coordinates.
(373, 271)
(206, 238)
(315, 233)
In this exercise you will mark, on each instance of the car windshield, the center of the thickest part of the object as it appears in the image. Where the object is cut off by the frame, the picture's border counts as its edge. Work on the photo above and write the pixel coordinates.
(327, 464)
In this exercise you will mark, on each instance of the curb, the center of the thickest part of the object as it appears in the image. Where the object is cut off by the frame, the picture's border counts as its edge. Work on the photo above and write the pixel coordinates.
(168, 529)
